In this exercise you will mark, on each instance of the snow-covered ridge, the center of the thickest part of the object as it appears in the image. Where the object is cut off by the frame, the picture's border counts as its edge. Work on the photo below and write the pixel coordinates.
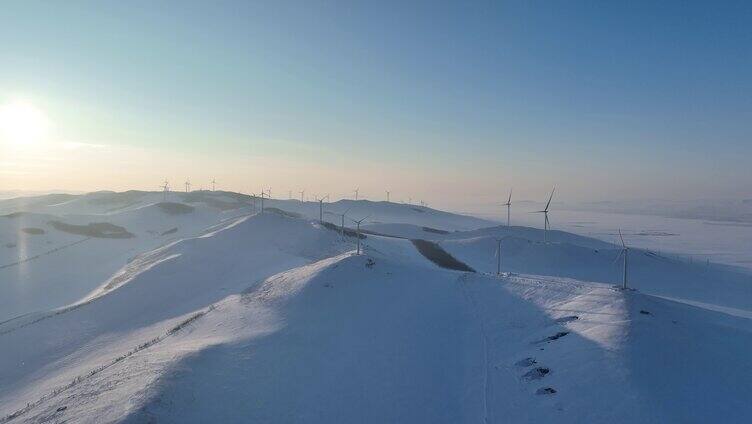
(267, 317)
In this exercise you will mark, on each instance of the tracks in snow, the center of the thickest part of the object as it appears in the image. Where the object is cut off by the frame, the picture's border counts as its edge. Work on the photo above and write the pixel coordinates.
(49, 252)
(82, 378)
(462, 279)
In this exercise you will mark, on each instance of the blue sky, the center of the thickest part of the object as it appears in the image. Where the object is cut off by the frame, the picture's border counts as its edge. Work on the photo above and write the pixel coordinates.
(618, 100)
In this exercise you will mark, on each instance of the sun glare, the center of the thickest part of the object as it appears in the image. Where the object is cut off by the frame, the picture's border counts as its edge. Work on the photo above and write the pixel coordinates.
(21, 123)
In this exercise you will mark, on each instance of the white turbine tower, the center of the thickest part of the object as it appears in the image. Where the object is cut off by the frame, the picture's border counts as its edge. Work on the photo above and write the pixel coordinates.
(262, 199)
(214, 183)
(253, 198)
(545, 215)
(321, 208)
(387, 196)
(356, 193)
(302, 192)
(342, 224)
(187, 186)
(624, 252)
(358, 222)
(165, 189)
(508, 204)
(498, 256)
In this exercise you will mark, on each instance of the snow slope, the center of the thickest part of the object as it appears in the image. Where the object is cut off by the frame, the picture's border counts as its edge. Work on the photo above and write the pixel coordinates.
(527, 233)
(58, 267)
(381, 212)
(584, 258)
(42, 266)
(271, 318)
(374, 339)
(150, 297)
(648, 272)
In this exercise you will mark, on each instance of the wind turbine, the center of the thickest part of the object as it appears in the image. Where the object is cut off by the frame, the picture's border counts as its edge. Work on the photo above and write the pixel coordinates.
(321, 208)
(262, 199)
(342, 225)
(545, 215)
(356, 193)
(187, 186)
(498, 255)
(387, 196)
(214, 183)
(358, 222)
(302, 192)
(165, 189)
(508, 204)
(624, 251)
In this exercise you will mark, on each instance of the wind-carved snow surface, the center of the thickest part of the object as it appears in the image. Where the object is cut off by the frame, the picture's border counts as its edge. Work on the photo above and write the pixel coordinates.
(268, 318)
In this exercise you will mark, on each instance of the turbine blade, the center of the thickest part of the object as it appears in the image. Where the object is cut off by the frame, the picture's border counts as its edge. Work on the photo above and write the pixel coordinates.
(550, 197)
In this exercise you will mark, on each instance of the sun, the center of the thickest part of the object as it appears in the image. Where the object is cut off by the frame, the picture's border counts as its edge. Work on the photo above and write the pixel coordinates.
(22, 124)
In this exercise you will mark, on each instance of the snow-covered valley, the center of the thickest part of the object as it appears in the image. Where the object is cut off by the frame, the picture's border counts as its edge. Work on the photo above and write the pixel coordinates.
(243, 316)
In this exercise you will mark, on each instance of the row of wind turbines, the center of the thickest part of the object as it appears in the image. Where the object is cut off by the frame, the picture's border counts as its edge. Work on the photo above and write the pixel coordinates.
(356, 196)
(267, 194)
(546, 223)
(623, 253)
(166, 187)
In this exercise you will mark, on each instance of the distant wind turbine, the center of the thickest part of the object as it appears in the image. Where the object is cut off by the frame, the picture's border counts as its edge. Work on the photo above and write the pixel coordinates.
(321, 208)
(302, 192)
(356, 193)
(187, 186)
(165, 189)
(545, 215)
(387, 196)
(624, 252)
(342, 225)
(498, 255)
(508, 204)
(262, 199)
(214, 184)
(358, 222)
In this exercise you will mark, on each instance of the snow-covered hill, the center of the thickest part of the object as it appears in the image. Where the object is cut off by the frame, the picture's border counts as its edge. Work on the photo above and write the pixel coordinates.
(648, 271)
(588, 259)
(54, 249)
(249, 317)
(48, 261)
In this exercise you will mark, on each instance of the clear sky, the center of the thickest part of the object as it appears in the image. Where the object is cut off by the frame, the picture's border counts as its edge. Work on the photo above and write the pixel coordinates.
(448, 103)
